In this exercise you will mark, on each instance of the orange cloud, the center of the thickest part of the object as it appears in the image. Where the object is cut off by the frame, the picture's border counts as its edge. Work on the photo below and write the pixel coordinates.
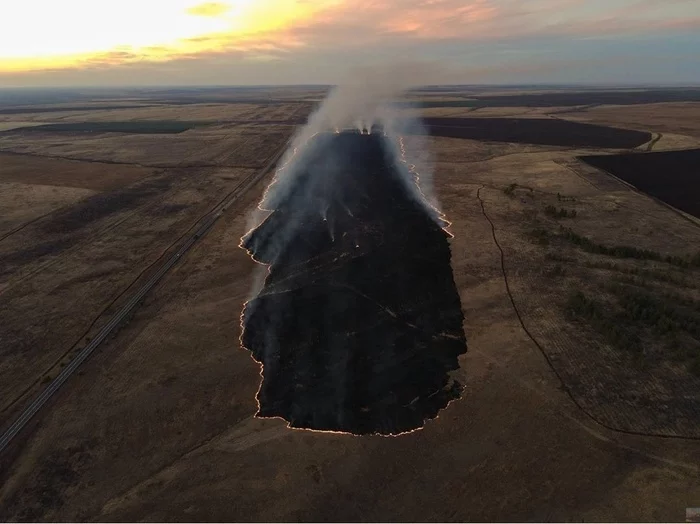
(75, 34)
(440, 19)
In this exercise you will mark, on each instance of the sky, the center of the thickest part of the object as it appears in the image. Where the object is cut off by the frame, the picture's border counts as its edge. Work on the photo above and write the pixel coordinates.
(253, 42)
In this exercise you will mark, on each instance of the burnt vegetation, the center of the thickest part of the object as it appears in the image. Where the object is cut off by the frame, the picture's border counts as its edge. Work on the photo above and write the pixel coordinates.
(359, 323)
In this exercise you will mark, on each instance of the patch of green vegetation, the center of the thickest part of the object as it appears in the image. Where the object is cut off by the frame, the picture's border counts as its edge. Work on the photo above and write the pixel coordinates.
(590, 246)
(553, 212)
(662, 312)
(562, 198)
(597, 314)
(644, 274)
(134, 127)
(540, 236)
(510, 189)
(669, 318)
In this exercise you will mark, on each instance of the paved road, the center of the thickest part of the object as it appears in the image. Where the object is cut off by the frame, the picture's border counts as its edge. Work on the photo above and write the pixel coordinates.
(206, 223)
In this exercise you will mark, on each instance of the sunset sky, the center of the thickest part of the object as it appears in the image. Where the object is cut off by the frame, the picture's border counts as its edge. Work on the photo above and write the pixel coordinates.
(184, 42)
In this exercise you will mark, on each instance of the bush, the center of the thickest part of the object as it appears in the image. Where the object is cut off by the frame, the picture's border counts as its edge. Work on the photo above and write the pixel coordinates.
(562, 198)
(510, 189)
(556, 271)
(589, 246)
(553, 212)
(540, 236)
(670, 318)
(598, 316)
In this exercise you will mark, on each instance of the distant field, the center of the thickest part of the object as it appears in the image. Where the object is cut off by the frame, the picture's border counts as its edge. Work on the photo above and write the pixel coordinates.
(55, 172)
(424, 104)
(591, 98)
(59, 108)
(671, 176)
(133, 127)
(569, 98)
(536, 131)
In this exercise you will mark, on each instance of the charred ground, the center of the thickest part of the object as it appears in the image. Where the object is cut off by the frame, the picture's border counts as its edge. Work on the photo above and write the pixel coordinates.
(359, 323)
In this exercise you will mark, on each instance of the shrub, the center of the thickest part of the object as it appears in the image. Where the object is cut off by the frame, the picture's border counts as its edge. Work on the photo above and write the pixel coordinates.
(510, 189)
(553, 212)
(540, 236)
(589, 246)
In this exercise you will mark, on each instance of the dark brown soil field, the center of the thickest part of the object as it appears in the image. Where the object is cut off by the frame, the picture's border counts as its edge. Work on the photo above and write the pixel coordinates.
(563, 98)
(671, 176)
(617, 97)
(543, 131)
(23, 110)
(149, 127)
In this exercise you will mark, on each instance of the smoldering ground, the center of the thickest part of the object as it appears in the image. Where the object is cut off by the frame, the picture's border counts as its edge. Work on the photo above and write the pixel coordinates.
(358, 324)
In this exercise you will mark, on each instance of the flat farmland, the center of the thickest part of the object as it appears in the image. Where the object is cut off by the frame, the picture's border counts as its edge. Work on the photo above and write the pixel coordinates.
(205, 147)
(676, 118)
(671, 176)
(87, 217)
(31, 187)
(36, 170)
(164, 112)
(564, 416)
(536, 131)
(23, 203)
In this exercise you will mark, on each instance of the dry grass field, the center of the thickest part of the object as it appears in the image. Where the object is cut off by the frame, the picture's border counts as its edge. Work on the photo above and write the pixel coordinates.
(582, 375)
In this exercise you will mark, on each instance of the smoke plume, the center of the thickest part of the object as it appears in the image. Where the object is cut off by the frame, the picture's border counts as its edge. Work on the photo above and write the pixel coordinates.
(371, 99)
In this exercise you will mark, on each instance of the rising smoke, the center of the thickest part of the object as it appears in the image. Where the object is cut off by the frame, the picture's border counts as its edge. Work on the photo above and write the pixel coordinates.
(370, 100)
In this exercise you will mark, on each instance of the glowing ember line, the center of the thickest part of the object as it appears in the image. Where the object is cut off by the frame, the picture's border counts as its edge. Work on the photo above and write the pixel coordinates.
(416, 177)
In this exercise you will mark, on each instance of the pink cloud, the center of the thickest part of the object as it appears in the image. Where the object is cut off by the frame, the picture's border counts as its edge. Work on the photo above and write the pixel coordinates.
(369, 22)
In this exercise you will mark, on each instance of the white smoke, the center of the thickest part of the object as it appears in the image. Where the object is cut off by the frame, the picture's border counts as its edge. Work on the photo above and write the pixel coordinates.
(371, 96)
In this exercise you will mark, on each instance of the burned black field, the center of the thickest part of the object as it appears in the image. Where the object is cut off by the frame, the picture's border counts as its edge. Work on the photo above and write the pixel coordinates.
(543, 131)
(359, 323)
(671, 176)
